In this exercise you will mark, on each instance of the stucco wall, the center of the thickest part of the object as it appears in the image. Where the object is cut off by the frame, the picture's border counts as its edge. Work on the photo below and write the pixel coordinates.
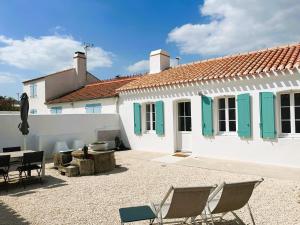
(108, 105)
(281, 151)
(38, 102)
(45, 130)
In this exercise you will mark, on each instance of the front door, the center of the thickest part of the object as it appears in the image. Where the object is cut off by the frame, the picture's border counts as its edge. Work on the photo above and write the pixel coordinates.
(184, 126)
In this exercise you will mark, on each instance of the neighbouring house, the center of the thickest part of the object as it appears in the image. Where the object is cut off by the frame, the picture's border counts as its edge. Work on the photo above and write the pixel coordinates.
(240, 107)
(98, 97)
(43, 89)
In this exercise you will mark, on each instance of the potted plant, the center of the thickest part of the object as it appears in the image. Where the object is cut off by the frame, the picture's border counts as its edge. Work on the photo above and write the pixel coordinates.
(99, 146)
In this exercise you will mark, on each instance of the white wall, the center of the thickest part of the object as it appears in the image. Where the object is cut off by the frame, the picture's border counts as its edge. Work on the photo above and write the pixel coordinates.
(108, 105)
(37, 102)
(45, 130)
(281, 151)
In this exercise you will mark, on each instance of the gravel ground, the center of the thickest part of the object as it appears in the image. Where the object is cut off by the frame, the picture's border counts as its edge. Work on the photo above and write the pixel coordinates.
(96, 199)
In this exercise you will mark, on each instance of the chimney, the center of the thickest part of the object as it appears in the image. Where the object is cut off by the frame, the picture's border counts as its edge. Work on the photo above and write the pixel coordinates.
(80, 67)
(159, 61)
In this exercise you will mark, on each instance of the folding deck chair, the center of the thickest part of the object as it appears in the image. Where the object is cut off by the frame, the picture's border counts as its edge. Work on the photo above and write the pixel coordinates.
(234, 196)
(186, 202)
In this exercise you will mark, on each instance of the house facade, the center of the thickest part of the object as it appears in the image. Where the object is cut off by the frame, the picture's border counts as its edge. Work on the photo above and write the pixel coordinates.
(244, 107)
(95, 98)
(43, 89)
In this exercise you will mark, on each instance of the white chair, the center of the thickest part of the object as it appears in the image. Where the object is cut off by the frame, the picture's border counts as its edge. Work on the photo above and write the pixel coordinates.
(61, 146)
(78, 144)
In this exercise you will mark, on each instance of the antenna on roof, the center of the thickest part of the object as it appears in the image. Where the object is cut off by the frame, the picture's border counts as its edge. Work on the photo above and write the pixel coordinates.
(87, 47)
(178, 59)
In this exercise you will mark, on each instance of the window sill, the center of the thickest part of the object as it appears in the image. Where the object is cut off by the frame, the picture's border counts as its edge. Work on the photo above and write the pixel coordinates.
(227, 134)
(289, 136)
(185, 132)
(150, 132)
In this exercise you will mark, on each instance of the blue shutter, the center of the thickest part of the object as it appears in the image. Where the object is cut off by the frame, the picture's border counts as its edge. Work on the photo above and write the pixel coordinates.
(93, 108)
(267, 115)
(137, 118)
(207, 116)
(159, 118)
(244, 115)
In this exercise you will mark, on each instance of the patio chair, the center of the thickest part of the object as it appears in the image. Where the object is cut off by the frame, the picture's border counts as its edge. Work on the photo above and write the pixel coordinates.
(4, 168)
(13, 149)
(186, 202)
(31, 161)
(234, 196)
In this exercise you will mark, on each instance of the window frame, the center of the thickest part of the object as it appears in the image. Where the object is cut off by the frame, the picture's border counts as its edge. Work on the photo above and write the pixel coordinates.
(152, 120)
(226, 108)
(292, 114)
(57, 110)
(93, 107)
(33, 90)
(33, 111)
(184, 116)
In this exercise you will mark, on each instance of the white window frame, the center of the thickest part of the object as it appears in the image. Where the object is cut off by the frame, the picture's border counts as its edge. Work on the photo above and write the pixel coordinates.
(33, 90)
(227, 132)
(56, 110)
(184, 131)
(292, 114)
(152, 128)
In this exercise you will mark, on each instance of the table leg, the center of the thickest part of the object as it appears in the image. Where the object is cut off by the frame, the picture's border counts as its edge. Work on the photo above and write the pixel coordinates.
(43, 166)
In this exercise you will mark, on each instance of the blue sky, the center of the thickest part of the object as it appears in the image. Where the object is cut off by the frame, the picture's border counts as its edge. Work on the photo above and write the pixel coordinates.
(39, 37)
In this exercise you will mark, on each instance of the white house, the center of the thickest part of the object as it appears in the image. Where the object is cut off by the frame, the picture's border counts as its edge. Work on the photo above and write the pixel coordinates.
(241, 107)
(98, 97)
(43, 89)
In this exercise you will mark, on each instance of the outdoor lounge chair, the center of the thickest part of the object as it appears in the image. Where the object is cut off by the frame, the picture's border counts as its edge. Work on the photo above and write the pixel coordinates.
(4, 167)
(31, 161)
(186, 202)
(234, 196)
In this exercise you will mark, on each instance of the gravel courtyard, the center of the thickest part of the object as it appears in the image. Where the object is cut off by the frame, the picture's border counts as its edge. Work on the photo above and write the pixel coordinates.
(138, 180)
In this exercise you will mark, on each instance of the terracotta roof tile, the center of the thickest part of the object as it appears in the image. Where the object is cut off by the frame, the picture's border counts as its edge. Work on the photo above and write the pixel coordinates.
(279, 58)
(100, 89)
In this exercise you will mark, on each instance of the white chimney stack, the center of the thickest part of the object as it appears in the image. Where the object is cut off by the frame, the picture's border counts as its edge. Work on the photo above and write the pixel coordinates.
(80, 67)
(159, 61)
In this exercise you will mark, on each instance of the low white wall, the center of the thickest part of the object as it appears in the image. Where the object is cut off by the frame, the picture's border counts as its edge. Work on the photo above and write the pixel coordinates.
(45, 130)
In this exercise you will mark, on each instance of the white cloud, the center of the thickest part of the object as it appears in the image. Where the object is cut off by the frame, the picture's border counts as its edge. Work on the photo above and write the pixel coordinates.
(9, 78)
(237, 26)
(140, 66)
(49, 53)
(143, 66)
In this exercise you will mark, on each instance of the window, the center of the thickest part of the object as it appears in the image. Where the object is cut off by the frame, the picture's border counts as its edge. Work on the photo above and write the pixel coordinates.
(150, 116)
(184, 116)
(93, 108)
(290, 113)
(33, 90)
(227, 114)
(56, 110)
(33, 111)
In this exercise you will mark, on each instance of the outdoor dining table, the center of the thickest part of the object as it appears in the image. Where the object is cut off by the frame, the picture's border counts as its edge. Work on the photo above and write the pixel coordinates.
(18, 155)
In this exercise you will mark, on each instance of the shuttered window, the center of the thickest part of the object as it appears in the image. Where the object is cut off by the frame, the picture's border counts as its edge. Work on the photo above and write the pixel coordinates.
(226, 114)
(93, 108)
(137, 118)
(267, 115)
(150, 116)
(207, 116)
(184, 116)
(33, 90)
(56, 110)
(290, 113)
(159, 118)
(244, 115)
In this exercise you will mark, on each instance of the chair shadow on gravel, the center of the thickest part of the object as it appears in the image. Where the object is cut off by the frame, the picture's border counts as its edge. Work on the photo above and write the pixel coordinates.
(9, 216)
(15, 189)
(117, 169)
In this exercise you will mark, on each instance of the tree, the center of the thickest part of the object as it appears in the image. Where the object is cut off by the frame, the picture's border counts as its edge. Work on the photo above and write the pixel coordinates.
(9, 104)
